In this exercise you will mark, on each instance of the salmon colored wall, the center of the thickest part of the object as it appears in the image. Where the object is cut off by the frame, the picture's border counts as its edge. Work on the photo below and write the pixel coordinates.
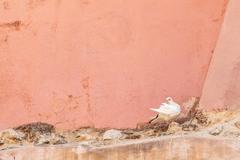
(104, 63)
(222, 87)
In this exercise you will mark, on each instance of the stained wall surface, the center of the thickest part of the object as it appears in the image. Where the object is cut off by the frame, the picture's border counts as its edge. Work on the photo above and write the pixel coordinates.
(102, 63)
(222, 87)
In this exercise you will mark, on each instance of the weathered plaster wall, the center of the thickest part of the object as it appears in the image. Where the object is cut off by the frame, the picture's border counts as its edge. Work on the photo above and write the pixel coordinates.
(222, 87)
(102, 63)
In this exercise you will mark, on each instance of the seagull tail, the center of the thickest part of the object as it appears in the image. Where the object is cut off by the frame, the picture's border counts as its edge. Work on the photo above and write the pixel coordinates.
(154, 109)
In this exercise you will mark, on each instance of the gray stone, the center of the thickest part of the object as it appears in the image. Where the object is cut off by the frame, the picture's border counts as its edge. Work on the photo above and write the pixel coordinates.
(216, 131)
(112, 134)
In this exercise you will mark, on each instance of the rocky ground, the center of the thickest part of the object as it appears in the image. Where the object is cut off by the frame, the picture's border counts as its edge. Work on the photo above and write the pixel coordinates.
(193, 121)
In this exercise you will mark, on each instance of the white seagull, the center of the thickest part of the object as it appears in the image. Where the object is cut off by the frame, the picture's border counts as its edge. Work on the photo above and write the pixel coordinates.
(167, 111)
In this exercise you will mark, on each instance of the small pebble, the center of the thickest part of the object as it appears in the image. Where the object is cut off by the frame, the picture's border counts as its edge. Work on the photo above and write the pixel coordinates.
(112, 134)
(216, 131)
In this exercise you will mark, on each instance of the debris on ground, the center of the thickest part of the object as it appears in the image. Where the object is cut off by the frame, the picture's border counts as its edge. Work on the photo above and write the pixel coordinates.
(237, 124)
(11, 136)
(193, 121)
(174, 127)
(33, 131)
(112, 134)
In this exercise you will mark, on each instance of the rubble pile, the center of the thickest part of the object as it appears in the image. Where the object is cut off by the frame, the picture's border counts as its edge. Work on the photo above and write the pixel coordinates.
(193, 122)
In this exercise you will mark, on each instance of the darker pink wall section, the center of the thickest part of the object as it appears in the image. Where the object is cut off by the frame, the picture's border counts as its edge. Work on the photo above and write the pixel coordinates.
(103, 63)
(222, 87)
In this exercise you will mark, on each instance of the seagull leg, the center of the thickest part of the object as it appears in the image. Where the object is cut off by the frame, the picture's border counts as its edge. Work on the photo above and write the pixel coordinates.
(190, 122)
(153, 119)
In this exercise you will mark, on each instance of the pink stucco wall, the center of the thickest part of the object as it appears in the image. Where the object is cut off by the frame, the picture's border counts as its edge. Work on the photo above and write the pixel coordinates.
(222, 87)
(101, 63)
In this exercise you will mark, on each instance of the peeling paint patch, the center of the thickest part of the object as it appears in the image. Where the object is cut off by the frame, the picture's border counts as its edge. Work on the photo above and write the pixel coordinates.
(3, 39)
(35, 3)
(6, 5)
(85, 2)
(15, 25)
(85, 83)
(86, 87)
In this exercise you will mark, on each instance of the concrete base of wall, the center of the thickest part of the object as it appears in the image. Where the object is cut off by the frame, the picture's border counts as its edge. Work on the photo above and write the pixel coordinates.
(167, 148)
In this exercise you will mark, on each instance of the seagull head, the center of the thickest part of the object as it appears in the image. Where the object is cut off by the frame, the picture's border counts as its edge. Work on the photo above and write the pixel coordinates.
(169, 99)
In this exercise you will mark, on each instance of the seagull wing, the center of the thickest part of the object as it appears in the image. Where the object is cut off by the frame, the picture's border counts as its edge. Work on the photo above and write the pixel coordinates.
(165, 109)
